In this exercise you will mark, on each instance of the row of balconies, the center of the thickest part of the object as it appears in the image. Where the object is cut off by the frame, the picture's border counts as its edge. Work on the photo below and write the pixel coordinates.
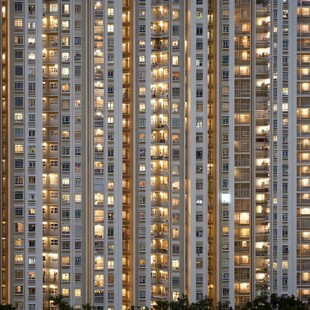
(240, 43)
(264, 251)
(159, 203)
(264, 27)
(303, 45)
(159, 187)
(303, 171)
(160, 13)
(262, 150)
(160, 266)
(242, 160)
(160, 76)
(158, 249)
(160, 31)
(159, 235)
(159, 48)
(159, 281)
(160, 124)
(159, 155)
(157, 218)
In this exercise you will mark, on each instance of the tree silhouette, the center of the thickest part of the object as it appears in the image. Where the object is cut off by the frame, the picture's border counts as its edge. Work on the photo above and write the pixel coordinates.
(262, 302)
(59, 302)
(7, 307)
(181, 303)
(280, 303)
(162, 305)
(205, 304)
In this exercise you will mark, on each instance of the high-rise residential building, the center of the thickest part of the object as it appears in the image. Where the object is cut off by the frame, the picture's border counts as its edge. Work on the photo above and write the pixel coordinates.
(151, 148)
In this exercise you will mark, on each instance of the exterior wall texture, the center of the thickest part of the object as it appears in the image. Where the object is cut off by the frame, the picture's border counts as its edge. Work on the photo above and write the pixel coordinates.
(152, 148)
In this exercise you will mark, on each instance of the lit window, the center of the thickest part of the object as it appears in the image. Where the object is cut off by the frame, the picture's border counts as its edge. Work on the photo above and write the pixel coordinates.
(65, 71)
(244, 218)
(110, 105)
(54, 7)
(110, 199)
(65, 8)
(32, 260)
(98, 231)
(142, 91)
(110, 11)
(65, 291)
(31, 56)
(175, 60)
(18, 117)
(244, 232)
(77, 292)
(65, 24)
(175, 264)
(53, 179)
(19, 258)
(225, 198)
(31, 25)
(19, 243)
(19, 290)
(110, 28)
(18, 22)
(65, 260)
(65, 277)
(78, 197)
(65, 181)
(65, 229)
(142, 59)
(142, 107)
(65, 87)
(65, 198)
(65, 56)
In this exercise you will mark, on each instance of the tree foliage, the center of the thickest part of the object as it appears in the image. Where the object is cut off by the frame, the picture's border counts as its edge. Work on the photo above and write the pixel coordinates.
(284, 302)
(59, 302)
(7, 307)
(262, 302)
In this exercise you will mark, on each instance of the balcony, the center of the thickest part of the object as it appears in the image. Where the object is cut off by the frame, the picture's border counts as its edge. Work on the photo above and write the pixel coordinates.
(160, 13)
(160, 94)
(159, 266)
(159, 281)
(159, 235)
(303, 45)
(303, 224)
(160, 31)
(159, 250)
(242, 177)
(264, 251)
(262, 91)
(160, 77)
(263, 217)
(157, 63)
(156, 218)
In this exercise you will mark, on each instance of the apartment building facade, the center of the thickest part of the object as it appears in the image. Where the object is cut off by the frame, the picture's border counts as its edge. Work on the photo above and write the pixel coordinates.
(152, 148)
